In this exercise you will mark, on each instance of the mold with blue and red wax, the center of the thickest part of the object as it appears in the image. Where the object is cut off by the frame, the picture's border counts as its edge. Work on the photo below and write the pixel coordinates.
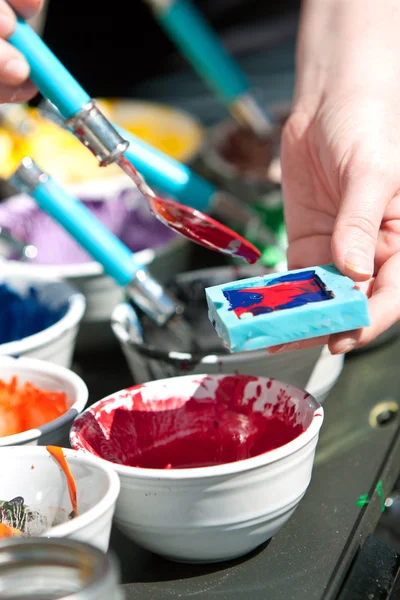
(276, 309)
(280, 293)
(22, 315)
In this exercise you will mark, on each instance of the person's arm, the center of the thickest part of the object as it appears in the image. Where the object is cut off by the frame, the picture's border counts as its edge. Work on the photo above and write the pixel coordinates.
(341, 152)
(14, 69)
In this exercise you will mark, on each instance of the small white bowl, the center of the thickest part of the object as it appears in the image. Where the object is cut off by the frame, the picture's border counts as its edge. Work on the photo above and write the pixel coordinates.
(209, 513)
(34, 474)
(50, 377)
(56, 343)
(100, 291)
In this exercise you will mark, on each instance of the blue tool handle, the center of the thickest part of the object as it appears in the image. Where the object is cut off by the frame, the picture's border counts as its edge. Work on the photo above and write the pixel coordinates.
(117, 260)
(48, 74)
(200, 45)
(168, 175)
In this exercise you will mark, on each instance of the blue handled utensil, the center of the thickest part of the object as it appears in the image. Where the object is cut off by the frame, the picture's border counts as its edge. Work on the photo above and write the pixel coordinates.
(93, 129)
(179, 181)
(117, 260)
(191, 33)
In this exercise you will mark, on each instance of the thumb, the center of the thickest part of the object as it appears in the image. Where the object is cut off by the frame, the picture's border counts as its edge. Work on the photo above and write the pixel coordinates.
(355, 233)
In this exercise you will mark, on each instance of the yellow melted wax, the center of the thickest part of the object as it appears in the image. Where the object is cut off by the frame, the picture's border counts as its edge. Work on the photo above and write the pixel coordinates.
(62, 156)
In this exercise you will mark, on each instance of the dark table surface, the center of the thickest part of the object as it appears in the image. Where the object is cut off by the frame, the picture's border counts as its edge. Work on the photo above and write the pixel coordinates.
(310, 556)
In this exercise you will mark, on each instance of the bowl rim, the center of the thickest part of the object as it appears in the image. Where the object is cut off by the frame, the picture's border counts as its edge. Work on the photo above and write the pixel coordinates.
(40, 366)
(93, 513)
(214, 471)
(76, 309)
(91, 269)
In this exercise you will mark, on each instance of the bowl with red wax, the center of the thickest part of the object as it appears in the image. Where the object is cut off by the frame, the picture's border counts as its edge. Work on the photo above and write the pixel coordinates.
(211, 466)
(38, 401)
(55, 492)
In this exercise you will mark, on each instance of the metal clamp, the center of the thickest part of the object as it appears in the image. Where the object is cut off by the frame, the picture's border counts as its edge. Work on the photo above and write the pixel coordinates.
(28, 176)
(95, 131)
(151, 298)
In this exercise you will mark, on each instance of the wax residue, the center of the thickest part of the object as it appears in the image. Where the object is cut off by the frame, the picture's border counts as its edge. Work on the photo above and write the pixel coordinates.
(280, 293)
(251, 155)
(24, 315)
(58, 454)
(17, 519)
(26, 406)
(7, 531)
(126, 215)
(222, 426)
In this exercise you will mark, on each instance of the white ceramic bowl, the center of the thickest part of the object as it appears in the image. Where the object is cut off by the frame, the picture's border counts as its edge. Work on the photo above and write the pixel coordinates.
(101, 292)
(209, 513)
(313, 369)
(50, 377)
(33, 474)
(56, 343)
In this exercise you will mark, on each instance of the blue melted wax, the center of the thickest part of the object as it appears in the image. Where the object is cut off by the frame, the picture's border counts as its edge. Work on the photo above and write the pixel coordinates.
(281, 293)
(21, 316)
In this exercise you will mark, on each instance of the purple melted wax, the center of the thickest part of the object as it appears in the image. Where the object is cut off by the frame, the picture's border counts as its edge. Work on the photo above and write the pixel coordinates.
(126, 215)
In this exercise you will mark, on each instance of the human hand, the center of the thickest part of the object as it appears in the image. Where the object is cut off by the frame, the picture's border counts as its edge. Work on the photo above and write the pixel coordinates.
(341, 155)
(14, 69)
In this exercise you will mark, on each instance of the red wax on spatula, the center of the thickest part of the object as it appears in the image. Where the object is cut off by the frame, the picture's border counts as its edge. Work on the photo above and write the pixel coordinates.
(193, 224)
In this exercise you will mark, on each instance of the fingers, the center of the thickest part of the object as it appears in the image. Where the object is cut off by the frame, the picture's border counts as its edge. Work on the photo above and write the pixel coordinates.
(14, 68)
(22, 93)
(365, 196)
(384, 310)
(301, 345)
(26, 8)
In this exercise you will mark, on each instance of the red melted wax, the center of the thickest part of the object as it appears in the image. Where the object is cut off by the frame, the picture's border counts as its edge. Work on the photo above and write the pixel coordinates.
(193, 224)
(198, 433)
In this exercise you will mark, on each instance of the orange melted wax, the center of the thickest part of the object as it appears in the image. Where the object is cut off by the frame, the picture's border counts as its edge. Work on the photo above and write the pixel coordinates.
(58, 454)
(24, 407)
(6, 531)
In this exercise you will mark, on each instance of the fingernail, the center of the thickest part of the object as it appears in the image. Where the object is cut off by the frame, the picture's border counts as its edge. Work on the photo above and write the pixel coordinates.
(276, 349)
(345, 347)
(17, 68)
(358, 262)
(284, 348)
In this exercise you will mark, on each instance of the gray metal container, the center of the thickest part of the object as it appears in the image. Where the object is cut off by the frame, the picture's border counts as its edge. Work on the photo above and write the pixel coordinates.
(156, 358)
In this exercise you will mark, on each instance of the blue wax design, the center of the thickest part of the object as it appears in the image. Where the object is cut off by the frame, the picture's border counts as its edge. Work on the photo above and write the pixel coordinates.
(281, 293)
(22, 316)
